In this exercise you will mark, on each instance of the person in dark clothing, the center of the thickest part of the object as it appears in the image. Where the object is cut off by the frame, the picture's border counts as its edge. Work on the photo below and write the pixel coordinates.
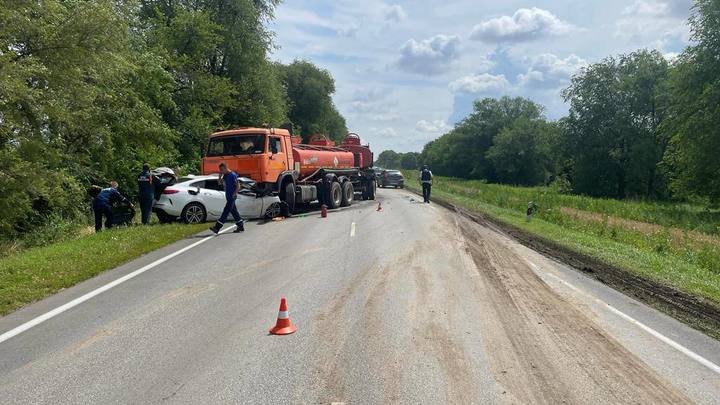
(426, 178)
(229, 179)
(102, 205)
(146, 188)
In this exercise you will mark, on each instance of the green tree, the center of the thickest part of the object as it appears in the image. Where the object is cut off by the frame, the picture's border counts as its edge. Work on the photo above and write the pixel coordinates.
(613, 126)
(309, 91)
(693, 117)
(462, 152)
(409, 160)
(522, 154)
(388, 159)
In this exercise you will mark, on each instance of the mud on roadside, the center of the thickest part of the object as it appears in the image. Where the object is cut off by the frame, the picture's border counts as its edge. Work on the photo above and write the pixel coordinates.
(694, 311)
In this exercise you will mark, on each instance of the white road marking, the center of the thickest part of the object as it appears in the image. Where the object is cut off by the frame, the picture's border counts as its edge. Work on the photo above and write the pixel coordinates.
(352, 229)
(675, 345)
(77, 301)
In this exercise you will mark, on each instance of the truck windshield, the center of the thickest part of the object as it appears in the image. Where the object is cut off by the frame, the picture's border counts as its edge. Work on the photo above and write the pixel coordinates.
(236, 145)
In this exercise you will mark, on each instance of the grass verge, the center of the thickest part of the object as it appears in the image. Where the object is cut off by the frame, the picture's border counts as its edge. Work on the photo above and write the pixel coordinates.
(33, 274)
(664, 252)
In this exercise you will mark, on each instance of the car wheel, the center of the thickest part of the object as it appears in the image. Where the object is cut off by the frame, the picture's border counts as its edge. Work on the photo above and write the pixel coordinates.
(348, 194)
(335, 197)
(194, 213)
(273, 210)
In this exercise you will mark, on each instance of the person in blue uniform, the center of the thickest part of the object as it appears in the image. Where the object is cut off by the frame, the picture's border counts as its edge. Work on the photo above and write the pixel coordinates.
(229, 179)
(146, 190)
(102, 205)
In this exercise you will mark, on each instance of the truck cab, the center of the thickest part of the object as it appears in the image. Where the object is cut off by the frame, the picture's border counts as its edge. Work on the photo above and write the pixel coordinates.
(262, 154)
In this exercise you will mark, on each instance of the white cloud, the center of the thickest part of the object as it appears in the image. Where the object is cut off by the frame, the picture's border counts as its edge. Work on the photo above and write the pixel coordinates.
(657, 8)
(548, 70)
(429, 56)
(388, 132)
(526, 24)
(395, 13)
(433, 127)
(482, 83)
(648, 8)
(654, 23)
(349, 31)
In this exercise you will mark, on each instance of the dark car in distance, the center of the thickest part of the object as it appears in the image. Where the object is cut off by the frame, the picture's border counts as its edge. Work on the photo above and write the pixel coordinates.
(391, 178)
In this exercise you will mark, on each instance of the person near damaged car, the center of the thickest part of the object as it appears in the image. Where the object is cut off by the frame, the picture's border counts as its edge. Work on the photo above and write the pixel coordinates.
(146, 188)
(102, 205)
(229, 179)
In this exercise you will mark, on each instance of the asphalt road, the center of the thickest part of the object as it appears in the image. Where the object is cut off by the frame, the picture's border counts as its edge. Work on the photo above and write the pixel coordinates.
(412, 304)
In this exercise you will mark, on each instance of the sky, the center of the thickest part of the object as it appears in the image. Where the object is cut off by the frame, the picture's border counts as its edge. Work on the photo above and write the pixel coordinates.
(407, 71)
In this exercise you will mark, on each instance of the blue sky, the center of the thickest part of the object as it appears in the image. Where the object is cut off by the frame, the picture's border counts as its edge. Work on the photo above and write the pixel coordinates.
(405, 72)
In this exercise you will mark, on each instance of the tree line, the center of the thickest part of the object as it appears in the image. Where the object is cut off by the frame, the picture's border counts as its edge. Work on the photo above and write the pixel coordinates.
(89, 90)
(639, 126)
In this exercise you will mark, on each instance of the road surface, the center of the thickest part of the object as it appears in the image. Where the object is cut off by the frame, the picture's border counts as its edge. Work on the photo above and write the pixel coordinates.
(412, 304)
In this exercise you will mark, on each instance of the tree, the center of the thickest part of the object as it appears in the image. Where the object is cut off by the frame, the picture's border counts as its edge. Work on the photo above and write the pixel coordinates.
(409, 160)
(693, 118)
(613, 126)
(388, 159)
(462, 152)
(522, 154)
(309, 91)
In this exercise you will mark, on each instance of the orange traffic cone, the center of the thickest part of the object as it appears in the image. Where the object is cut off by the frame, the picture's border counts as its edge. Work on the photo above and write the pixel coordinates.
(379, 206)
(283, 325)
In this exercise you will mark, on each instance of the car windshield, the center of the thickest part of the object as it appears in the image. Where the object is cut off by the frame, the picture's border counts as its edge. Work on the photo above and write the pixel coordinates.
(236, 145)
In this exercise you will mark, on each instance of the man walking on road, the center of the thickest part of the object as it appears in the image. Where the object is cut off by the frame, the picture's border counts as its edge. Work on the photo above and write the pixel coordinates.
(232, 188)
(426, 178)
(102, 205)
(146, 188)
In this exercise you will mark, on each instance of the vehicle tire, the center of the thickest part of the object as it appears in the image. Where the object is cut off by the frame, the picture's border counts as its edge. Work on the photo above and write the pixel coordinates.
(348, 194)
(335, 195)
(194, 213)
(289, 196)
(273, 210)
(164, 218)
(371, 190)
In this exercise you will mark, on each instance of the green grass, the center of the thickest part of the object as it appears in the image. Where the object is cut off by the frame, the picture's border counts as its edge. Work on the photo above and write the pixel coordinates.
(676, 245)
(33, 274)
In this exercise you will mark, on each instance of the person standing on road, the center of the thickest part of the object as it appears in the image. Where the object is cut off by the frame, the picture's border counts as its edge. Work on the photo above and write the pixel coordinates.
(102, 205)
(426, 178)
(229, 179)
(146, 187)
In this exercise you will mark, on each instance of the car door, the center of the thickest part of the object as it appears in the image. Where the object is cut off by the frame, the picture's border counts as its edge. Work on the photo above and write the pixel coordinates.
(248, 204)
(212, 196)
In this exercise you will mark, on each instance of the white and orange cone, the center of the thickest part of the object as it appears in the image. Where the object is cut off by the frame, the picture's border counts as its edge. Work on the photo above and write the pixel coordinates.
(283, 326)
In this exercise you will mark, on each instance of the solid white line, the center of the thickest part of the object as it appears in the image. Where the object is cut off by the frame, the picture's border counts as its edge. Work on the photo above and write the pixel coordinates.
(675, 345)
(77, 301)
(352, 229)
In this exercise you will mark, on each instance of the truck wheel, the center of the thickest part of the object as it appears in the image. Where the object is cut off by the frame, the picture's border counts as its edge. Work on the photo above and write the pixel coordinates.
(371, 190)
(289, 196)
(194, 213)
(336, 195)
(348, 194)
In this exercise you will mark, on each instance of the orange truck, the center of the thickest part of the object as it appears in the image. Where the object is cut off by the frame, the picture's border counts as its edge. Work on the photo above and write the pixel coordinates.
(297, 173)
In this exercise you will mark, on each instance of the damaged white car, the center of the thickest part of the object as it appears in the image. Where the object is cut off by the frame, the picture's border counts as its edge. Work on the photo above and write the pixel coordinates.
(198, 199)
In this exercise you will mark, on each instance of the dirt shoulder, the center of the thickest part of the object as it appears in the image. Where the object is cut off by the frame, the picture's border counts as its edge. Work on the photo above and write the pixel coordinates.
(694, 311)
